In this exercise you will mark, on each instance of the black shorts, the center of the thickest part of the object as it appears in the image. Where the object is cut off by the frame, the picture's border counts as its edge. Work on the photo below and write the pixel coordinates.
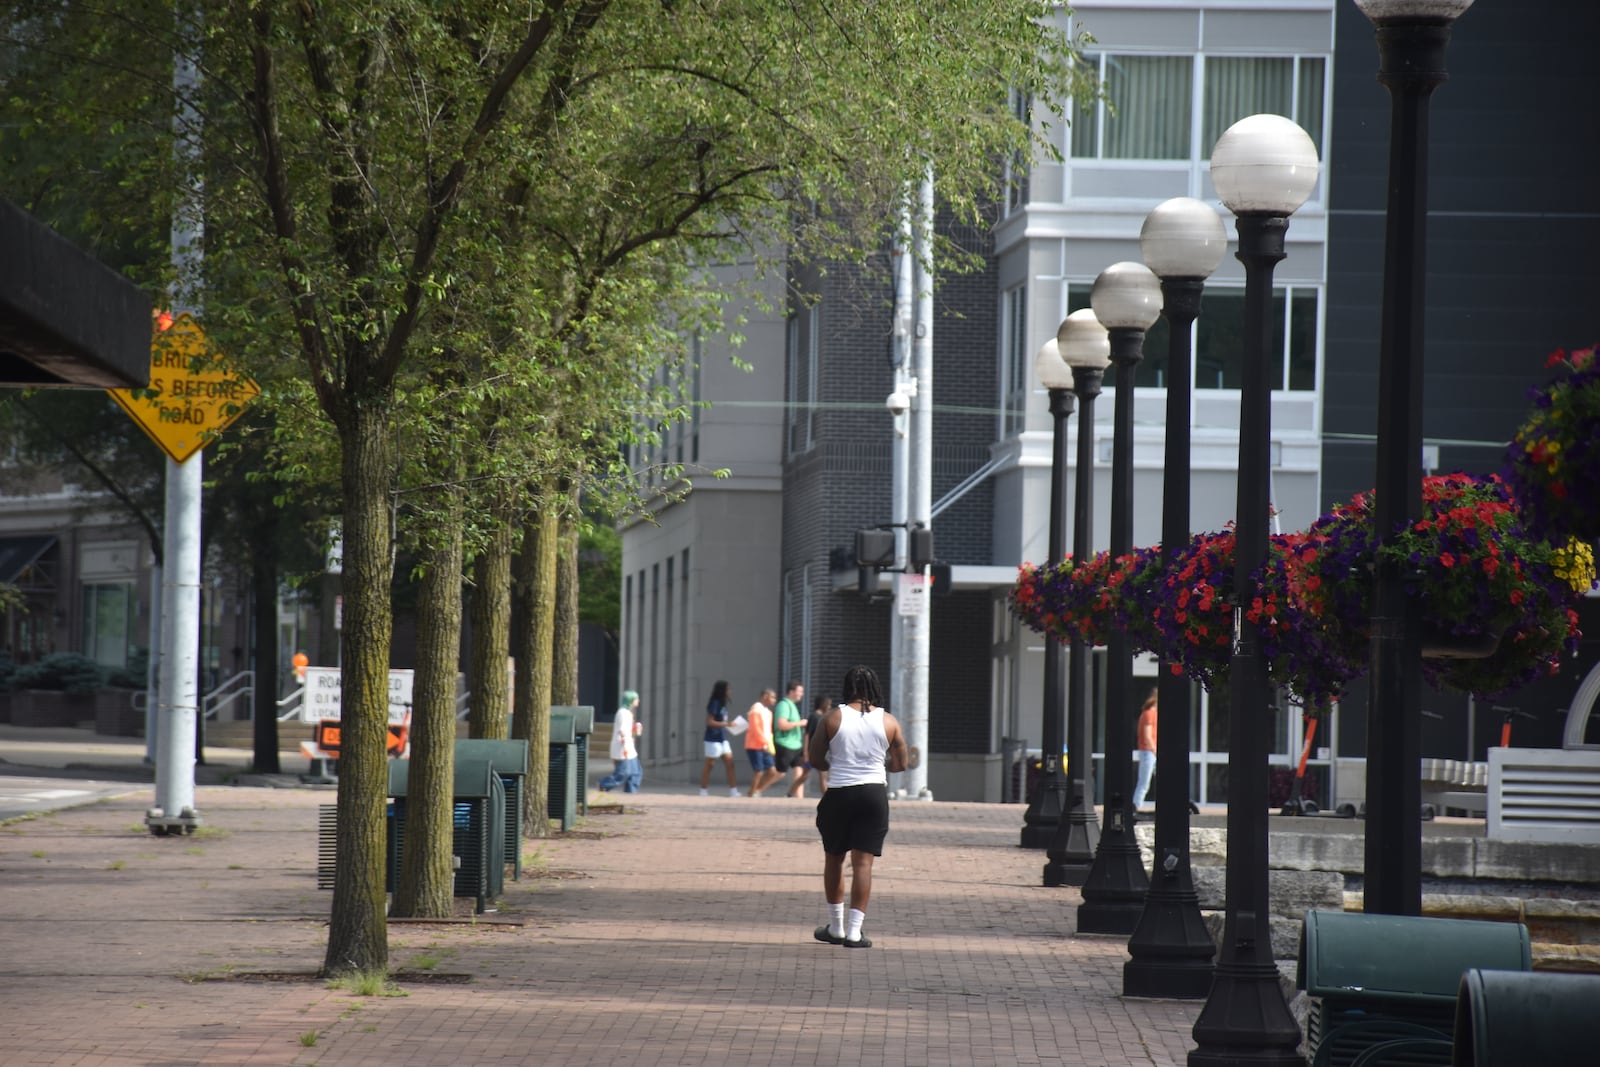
(785, 758)
(853, 818)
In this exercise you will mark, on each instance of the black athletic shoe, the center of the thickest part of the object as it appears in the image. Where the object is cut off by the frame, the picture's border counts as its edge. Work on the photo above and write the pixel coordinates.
(821, 934)
(860, 942)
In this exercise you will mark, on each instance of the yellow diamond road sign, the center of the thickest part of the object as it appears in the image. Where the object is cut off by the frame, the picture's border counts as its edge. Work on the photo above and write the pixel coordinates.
(191, 397)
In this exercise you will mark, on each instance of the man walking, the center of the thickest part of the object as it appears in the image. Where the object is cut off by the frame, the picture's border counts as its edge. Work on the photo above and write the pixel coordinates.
(758, 743)
(857, 743)
(788, 736)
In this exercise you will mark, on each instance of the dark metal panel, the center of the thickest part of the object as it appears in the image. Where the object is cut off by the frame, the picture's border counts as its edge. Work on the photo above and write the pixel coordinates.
(66, 319)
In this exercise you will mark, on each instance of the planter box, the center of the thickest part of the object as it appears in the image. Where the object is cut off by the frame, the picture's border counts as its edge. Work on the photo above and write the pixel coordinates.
(50, 707)
(114, 713)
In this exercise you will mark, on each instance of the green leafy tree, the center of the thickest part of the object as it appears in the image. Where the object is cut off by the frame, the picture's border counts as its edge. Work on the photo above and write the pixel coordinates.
(357, 153)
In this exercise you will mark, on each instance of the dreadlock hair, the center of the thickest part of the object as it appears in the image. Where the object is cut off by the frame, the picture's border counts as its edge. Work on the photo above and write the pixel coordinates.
(861, 684)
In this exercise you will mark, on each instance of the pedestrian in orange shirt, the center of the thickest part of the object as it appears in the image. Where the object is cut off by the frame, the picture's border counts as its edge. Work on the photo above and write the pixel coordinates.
(1147, 749)
(758, 743)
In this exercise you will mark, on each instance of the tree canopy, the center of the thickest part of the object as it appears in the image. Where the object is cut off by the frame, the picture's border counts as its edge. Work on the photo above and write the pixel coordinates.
(505, 203)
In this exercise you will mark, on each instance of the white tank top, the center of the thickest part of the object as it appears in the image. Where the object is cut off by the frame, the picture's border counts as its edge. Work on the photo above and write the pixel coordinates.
(856, 752)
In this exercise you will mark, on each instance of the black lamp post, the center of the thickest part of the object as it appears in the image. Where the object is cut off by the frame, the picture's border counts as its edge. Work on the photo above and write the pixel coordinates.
(1082, 343)
(1182, 241)
(1050, 795)
(1127, 301)
(1264, 168)
(1412, 36)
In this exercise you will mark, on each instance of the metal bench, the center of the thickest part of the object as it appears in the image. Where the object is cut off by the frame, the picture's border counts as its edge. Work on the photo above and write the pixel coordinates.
(1374, 980)
(562, 797)
(478, 838)
(583, 729)
(1508, 1019)
(510, 760)
(1454, 784)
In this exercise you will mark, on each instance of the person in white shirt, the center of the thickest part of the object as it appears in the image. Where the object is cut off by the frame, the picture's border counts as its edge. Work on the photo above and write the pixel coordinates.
(625, 748)
(857, 744)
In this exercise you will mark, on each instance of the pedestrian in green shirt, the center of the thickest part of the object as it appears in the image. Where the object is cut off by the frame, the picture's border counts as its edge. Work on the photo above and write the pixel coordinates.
(789, 735)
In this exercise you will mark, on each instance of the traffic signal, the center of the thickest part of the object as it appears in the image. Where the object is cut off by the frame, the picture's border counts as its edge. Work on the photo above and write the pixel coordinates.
(874, 548)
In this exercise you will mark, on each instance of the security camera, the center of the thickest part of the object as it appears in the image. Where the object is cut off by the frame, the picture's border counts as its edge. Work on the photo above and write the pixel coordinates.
(898, 403)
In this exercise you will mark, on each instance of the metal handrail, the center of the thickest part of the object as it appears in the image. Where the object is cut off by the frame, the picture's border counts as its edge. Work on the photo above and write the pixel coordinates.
(293, 702)
(225, 694)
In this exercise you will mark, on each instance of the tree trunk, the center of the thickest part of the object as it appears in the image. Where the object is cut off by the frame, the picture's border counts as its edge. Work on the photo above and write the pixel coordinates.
(564, 648)
(490, 715)
(264, 607)
(357, 934)
(426, 884)
(536, 574)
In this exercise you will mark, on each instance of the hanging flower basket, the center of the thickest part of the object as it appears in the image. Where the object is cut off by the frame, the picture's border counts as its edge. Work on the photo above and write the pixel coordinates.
(1553, 462)
(1438, 644)
(1193, 610)
(1085, 601)
(1497, 597)
(1027, 596)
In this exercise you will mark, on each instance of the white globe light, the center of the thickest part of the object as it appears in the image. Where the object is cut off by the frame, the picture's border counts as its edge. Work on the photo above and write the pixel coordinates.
(1051, 370)
(1083, 342)
(1264, 164)
(1126, 295)
(1183, 238)
(1413, 10)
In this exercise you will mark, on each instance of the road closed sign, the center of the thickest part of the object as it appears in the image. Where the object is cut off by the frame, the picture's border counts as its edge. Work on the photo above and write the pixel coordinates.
(192, 395)
(321, 699)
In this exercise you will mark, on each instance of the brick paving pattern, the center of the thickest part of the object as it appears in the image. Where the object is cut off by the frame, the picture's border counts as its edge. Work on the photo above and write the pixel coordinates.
(676, 930)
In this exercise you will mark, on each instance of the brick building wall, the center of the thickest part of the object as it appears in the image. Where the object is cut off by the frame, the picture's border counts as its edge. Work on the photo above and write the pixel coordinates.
(843, 482)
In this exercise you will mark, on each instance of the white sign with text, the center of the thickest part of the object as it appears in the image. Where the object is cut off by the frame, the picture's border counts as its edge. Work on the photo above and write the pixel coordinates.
(321, 700)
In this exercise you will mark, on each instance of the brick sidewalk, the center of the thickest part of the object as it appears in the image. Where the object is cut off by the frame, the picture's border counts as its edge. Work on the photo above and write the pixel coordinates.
(676, 931)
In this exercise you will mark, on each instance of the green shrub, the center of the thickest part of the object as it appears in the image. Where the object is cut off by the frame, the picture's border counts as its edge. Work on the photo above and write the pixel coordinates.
(135, 674)
(70, 672)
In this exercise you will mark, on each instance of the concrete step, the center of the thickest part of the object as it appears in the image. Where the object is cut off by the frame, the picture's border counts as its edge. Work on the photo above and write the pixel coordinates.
(240, 733)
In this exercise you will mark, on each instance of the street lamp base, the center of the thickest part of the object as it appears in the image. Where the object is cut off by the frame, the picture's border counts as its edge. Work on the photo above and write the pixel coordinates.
(1109, 917)
(1071, 852)
(1171, 949)
(1245, 1021)
(1113, 897)
(1058, 873)
(1168, 979)
(1044, 814)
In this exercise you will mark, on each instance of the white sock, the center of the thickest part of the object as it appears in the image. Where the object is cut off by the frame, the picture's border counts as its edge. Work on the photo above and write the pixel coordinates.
(853, 931)
(836, 919)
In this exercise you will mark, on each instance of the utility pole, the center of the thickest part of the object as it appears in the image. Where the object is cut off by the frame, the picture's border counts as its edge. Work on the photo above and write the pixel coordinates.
(919, 510)
(900, 448)
(177, 710)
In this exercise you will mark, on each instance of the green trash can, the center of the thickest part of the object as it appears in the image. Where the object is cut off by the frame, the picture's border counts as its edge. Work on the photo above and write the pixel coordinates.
(1374, 979)
(478, 834)
(1512, 1018)
(583, 726)
(510, 759)
(562, 799)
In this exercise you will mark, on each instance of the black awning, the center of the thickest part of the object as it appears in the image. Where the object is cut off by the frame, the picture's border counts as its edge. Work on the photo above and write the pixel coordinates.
(17, 554)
